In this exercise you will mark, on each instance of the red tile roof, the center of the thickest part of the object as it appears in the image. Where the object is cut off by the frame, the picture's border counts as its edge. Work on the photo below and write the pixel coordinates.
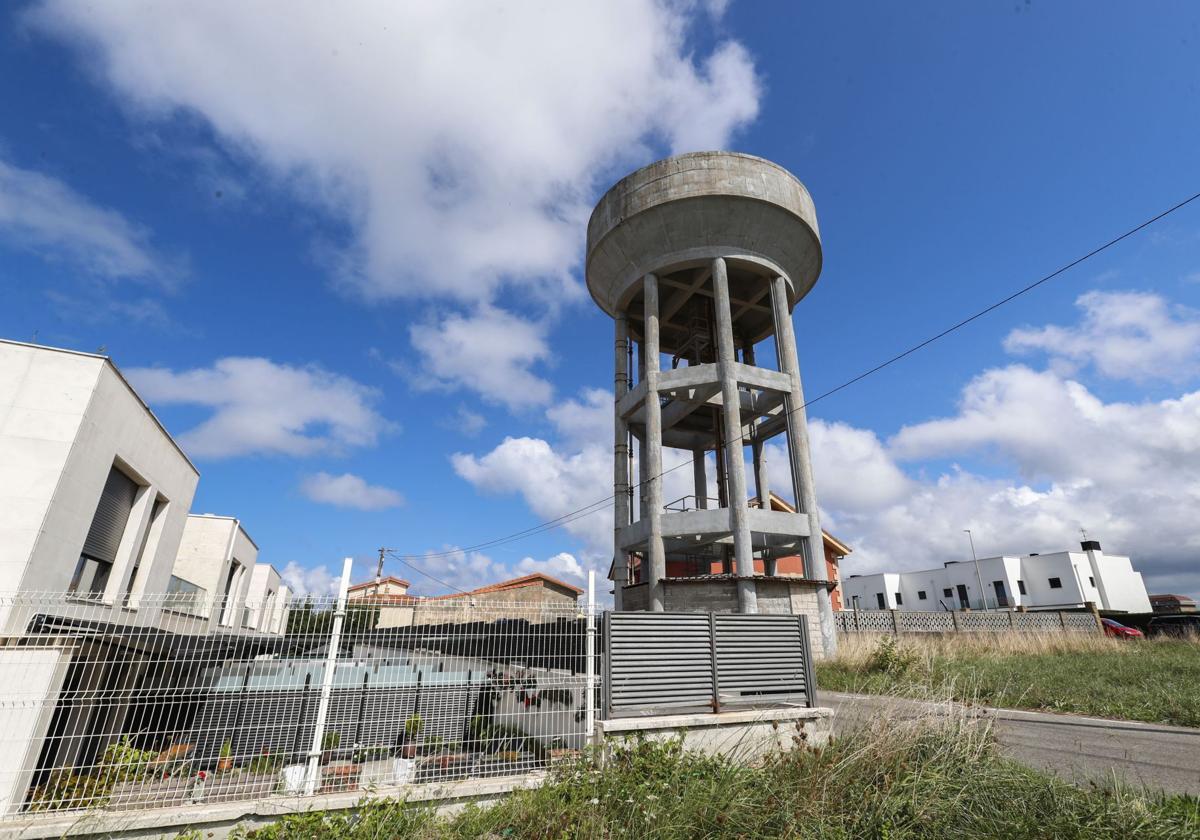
(535, 579)
(389, 579)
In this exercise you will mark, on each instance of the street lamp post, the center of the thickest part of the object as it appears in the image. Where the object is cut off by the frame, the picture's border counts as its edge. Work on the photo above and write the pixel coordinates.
(978, 576)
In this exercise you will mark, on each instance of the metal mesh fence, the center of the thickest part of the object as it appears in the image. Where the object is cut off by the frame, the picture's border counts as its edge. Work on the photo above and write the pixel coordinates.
(158, 703)
(1001, 621)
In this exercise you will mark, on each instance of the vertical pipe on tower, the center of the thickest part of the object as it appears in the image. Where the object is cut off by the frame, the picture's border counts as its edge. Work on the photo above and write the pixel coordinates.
(762, 488)
(620, 460)
(802, 478)
(735, 460)
(700, 478)
(652, 465)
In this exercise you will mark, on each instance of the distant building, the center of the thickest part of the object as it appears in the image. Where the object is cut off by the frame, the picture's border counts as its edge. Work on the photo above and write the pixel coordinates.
(1172, 604)
(535, 594)
(384, 586)
(1034, 581)
(216, 576)
(267, 600)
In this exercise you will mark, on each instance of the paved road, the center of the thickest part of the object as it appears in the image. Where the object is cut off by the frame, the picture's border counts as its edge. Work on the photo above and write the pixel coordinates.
(1074, 747)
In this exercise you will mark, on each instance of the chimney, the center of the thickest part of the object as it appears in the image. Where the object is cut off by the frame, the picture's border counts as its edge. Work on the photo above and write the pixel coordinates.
(1095, 555)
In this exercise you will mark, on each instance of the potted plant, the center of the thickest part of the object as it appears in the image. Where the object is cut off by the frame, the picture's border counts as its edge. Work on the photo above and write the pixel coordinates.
(408, 741)
(329, 742)
(225, 762)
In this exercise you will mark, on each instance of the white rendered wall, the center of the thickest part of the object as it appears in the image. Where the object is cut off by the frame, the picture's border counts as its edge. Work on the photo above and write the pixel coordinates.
(1125, 587)
(210, 544)
(866, 587)
(35, 675)
(262, 597)
(65, 419)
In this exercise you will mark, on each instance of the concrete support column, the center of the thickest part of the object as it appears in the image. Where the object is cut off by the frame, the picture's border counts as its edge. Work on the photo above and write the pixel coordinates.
(802, 478)
(700, 478)
(652, 465)
(762, 487)
(735, 461)
(620, 459)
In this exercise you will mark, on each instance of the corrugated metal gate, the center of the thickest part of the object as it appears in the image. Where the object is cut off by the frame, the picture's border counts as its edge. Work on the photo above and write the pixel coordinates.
(657, 662)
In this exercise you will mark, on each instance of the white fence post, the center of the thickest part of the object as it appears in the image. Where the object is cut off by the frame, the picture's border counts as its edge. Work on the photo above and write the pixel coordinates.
(335, 637)
(590, 654)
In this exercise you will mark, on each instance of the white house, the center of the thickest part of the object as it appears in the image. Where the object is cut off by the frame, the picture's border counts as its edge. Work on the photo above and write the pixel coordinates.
(93, 491)
(1034, 581)
(267, 600)
(216, 574)
(94, 529)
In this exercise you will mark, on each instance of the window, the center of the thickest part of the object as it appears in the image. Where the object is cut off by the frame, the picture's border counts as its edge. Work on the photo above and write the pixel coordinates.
(882, 601)
(1092, 581)
(104, 536)
(947, 593)
(1021, 586)
(921, 595)
(185, 596)
(1056, 583)
(899, 600)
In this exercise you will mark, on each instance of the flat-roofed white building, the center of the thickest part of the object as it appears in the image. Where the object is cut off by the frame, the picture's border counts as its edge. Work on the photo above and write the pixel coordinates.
(93, 491)
(1058, 580)
(213, 568)
(267, 600)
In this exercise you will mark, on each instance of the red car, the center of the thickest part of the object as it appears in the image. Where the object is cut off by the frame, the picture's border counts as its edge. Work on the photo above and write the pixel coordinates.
(1118, 630)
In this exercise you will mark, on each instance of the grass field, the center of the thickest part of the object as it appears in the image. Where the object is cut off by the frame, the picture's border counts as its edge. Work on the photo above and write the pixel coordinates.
(1149, 680)
(925, 779)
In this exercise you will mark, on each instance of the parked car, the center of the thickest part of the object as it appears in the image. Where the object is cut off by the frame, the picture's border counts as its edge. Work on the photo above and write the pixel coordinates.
(1175, 625)
(1118, 630)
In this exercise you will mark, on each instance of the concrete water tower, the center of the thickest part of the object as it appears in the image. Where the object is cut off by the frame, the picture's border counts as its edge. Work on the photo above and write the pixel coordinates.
(699, 259)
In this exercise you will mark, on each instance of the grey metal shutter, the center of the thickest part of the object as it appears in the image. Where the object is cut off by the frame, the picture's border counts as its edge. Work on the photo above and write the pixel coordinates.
(112, 515)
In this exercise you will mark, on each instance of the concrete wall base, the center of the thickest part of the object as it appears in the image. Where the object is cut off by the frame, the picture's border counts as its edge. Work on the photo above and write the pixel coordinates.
(744, 735)
(216, 821)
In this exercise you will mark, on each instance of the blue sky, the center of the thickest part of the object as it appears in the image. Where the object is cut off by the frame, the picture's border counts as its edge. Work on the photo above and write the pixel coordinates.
(321, 243)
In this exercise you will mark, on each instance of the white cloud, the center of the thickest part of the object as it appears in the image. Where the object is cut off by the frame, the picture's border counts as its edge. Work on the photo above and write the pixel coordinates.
(349, 491)
(43, 215)
(1058, 458)
(451, 569)
(576, 471)
(263, 407)
(1123, 335)
(562, 565)
(461, 142)
(466, 422)
(551, 482)
(587, 421)
(489, 351)
(317, 581)
(1127, 472)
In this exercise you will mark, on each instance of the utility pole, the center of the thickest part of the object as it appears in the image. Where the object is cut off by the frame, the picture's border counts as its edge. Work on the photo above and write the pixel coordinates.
(978, 576)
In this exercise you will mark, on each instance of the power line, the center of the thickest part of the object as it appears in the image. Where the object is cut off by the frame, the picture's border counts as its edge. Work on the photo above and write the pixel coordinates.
(427, 574)
(594, 507)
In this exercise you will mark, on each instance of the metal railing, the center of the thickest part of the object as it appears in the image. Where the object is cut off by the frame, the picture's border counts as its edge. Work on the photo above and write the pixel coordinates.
(138, 707)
